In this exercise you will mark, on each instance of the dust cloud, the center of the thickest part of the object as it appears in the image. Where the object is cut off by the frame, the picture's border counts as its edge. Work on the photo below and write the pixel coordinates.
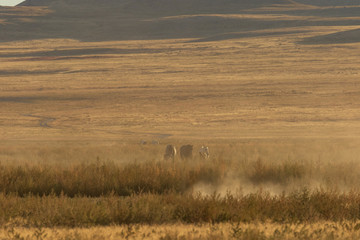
(284, 168)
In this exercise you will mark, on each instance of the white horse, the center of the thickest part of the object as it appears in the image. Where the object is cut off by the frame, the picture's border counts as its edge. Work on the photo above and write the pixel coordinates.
(204, 152)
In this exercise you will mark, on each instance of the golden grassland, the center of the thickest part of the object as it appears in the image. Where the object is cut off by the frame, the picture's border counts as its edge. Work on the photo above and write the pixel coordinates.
(245, 231)
(242, 88)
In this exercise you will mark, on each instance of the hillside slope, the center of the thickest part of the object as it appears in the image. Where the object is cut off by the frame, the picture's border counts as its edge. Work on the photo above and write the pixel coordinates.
(155, 7)
(330, 2)
(93, 20)
(350, 36)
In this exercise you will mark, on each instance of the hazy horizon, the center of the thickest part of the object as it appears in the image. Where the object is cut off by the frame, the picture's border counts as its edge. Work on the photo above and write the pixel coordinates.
(10, 2)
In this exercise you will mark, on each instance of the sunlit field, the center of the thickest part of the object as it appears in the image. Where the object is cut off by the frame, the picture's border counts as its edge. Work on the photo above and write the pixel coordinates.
(319, 230)
(243, 88)
(278, 109)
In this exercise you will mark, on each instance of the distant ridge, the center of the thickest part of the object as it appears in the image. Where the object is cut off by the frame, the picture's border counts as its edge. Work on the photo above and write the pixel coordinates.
(178, 3)
(330, 2)
(350, 36)
(99, 20)
(106, 20)
(186, 4)
(158, 7)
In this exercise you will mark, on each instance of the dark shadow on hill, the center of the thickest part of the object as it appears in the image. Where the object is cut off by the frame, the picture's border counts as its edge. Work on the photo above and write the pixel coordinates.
(107, 20)
(351, 36)
(332, 12)
(228, 36)
(24, 72)
(80, 52)
(148, 8)
(34, 99)
(201, 27)
(330, 2)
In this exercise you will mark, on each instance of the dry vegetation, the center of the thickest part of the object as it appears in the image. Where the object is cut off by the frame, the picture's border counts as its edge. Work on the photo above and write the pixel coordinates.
(280, 115)
(247, 231)
(243, 182)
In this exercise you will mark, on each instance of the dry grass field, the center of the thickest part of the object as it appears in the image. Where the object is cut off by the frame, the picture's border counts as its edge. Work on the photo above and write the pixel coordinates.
(279, 108)
(318, 231)
(245, 88)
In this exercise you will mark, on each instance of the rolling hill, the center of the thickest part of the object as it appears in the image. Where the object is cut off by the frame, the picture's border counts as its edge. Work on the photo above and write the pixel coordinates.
(92, 20)
(84, 80)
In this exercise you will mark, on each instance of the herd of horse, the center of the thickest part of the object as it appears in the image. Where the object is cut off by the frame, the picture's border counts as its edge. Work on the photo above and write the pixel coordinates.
(186, 152)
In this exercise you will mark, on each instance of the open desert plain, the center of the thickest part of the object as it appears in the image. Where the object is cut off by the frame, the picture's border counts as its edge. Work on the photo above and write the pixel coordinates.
(92, 92)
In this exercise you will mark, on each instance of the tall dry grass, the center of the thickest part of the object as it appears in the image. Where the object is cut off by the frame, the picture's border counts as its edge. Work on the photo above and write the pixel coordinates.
(243, 182)
(242, 231)
(298, 207)
(102, 178)
(245, 167)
